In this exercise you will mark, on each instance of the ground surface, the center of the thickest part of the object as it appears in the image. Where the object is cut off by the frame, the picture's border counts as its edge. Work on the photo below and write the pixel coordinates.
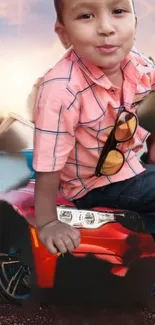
(12, 315)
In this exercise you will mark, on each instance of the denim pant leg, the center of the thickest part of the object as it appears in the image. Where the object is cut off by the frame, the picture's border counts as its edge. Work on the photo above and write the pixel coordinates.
(137, 193)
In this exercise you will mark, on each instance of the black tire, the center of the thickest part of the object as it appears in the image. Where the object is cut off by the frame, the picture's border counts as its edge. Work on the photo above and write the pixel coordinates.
(14, 279)
(16, 256)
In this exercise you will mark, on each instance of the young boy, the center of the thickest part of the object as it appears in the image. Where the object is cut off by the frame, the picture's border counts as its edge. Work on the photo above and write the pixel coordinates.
(87, 104)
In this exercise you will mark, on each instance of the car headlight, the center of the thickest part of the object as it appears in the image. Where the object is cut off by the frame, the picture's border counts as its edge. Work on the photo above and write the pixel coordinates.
(84, 218)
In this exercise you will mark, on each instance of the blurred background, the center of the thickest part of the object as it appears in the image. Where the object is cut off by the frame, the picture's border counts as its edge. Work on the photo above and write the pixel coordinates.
(29, 47)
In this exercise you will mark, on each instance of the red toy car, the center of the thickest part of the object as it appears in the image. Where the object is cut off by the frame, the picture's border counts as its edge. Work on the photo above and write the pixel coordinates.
(115, 261)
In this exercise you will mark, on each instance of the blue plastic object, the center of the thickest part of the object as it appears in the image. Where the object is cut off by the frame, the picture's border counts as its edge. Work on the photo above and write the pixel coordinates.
(29, 157)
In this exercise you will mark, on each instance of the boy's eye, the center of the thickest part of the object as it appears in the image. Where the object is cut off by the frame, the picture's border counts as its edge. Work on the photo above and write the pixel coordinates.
(119, 11)
(86, 16)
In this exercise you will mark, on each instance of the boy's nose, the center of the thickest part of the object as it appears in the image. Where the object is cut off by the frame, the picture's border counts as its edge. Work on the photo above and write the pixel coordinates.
(105, 27)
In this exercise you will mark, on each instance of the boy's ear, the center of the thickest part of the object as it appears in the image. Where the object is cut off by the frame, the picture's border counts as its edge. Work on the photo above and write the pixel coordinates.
(61, 32)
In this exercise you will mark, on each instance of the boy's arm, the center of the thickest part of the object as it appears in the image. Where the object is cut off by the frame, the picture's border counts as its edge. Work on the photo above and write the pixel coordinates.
(54, 138)
(56, 236)
(151, 149)
(146, 113)
(46, 190)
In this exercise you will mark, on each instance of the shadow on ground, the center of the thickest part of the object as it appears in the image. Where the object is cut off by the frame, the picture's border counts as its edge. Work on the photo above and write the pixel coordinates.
(11, 315)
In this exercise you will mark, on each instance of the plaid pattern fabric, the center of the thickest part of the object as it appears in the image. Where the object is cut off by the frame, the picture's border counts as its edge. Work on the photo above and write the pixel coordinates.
(75, 111)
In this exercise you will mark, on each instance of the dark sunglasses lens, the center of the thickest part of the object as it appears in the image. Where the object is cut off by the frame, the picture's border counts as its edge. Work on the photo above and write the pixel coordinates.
(113, 163)
(126, 126)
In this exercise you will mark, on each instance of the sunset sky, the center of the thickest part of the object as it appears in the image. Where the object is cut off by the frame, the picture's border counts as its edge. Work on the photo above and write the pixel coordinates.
(29, 46)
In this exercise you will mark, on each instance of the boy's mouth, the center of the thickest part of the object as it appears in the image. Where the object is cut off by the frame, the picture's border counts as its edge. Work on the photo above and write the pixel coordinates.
(107, 48)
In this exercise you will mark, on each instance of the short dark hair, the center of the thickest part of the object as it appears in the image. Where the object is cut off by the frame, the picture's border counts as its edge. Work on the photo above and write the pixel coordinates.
(59, 9)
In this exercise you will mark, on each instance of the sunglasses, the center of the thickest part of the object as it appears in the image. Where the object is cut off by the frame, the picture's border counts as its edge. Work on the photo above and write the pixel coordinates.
(112, 159)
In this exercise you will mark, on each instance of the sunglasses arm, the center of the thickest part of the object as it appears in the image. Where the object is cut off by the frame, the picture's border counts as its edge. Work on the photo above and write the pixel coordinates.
(146, 113)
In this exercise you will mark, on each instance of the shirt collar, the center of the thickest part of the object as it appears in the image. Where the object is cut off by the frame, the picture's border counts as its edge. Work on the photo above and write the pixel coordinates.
(129, 65)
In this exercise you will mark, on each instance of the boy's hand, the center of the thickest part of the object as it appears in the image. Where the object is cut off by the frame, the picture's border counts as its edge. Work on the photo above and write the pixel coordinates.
(59, 237)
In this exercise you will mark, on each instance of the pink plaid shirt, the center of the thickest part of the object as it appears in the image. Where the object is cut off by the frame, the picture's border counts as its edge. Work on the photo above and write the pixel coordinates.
(75, 109)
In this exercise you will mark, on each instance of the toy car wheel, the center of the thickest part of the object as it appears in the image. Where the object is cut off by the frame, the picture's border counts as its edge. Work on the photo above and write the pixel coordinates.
(14, 278)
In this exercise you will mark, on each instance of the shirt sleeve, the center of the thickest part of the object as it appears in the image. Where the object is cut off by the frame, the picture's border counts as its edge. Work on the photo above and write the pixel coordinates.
(56, 118)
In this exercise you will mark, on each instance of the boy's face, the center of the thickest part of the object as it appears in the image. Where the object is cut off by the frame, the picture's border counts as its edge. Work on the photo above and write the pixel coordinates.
(101, 31)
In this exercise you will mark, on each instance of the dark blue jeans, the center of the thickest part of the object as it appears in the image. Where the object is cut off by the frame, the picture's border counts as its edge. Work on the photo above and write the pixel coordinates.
(137, 194)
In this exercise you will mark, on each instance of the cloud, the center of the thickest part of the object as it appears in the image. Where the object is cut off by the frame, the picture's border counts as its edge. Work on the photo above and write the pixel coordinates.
(16, 11)
(144, 8)
(12, 11)
(20, 70)
(3, 8)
